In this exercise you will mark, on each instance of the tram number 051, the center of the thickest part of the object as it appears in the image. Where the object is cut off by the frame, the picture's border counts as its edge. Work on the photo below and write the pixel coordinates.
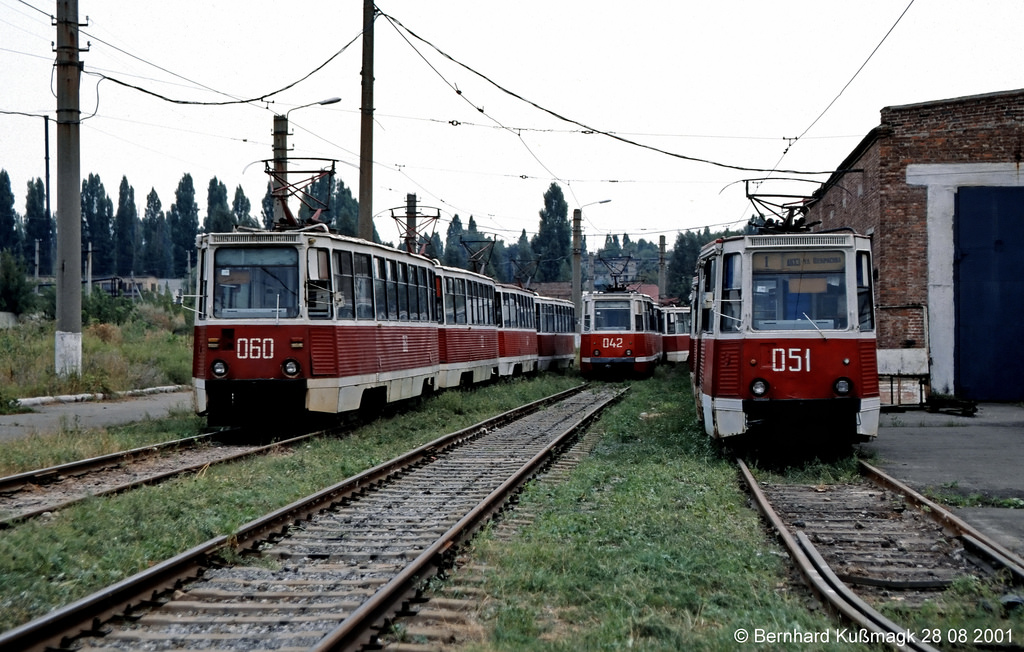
(791, 360)
(254, 348)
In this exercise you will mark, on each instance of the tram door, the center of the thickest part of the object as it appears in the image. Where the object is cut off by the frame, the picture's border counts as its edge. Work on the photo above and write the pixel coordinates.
(989, 290)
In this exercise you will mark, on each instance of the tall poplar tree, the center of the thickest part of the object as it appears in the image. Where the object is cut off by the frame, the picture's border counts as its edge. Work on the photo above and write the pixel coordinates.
(9, 236)
(219, 218)
(240, 207)
(183, 220)
(553, 243)
(38, 227)
(126, 230)
(97, 225)
(156, 239)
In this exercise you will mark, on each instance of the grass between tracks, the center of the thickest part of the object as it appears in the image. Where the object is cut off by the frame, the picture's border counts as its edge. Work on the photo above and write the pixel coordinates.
(649, 544)
(48, 562)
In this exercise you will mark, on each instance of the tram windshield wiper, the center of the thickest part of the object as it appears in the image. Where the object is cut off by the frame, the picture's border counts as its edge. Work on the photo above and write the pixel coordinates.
(820, 332)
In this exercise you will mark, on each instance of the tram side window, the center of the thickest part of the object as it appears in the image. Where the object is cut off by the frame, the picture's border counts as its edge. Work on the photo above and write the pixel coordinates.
(460, 301)
(318, 283)
(449, 301)
(402, 286)
(344, 297)
(363, 286)
(731, 293)
(865, 306)
(706, 295)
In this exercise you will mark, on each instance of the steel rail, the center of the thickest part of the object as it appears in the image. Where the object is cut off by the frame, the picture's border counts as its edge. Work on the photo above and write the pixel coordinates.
(84, 467)
(981, 543)
(57, 628)
(354, 631)
(820, 577)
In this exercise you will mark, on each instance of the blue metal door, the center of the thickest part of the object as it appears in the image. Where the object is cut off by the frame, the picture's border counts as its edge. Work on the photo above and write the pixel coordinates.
(989, 294)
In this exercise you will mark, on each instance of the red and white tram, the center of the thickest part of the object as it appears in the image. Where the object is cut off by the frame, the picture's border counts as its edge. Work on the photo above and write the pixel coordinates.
(307, 320)
(784, 335)
(517, 330)
(621, 335)
(556, 334)
(676, 333)
(468, 332)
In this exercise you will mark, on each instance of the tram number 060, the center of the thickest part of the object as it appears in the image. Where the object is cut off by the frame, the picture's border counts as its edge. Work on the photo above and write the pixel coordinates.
(254, 348)
(791, 360)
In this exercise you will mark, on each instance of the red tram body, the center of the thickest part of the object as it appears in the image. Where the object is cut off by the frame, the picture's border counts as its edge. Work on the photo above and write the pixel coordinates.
(306, 321)
(517, 332)
(676, 333)
(556, 334)
(621, 335)
(783, 335)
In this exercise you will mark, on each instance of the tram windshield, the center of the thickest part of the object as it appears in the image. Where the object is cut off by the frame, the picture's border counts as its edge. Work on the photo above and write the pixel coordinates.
(255, 283)
(611, 315)
(799, 290)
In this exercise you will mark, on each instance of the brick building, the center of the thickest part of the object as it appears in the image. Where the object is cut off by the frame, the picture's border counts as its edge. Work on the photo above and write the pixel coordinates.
(939, 187)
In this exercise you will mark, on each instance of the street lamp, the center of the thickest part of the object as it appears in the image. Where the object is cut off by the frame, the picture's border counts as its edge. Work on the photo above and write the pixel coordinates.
(577, 253)
(280, 177)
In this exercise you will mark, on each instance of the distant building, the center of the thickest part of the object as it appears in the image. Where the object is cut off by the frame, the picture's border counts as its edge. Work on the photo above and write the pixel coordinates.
(939, 187)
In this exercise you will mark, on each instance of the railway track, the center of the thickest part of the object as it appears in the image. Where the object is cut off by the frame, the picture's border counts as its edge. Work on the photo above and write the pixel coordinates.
(328, 571)
(34, 493)
(866, 545)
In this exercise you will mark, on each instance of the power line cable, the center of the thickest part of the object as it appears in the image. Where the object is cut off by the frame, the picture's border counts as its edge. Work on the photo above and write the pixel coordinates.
(586, 127)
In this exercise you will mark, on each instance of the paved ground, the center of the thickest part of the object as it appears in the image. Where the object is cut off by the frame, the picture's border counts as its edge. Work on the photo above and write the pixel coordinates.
(52, 414)
(947, 453)
(983, 454)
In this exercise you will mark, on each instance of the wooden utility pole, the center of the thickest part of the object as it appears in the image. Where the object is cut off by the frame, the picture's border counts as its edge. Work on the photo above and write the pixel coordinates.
(366, 129)
(68, 339)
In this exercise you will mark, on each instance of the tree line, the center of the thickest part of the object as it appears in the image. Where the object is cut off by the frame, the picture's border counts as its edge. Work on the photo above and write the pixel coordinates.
(161, 242)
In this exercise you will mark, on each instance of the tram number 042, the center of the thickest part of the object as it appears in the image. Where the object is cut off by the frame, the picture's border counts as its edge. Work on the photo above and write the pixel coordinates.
(611, 343)
(791, 360)
(254, 348)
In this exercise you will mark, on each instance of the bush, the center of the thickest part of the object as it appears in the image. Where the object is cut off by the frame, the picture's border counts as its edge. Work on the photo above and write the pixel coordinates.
(15, 290)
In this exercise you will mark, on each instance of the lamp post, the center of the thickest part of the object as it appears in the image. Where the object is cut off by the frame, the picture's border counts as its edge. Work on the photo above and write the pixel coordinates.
(577, 252)
(281, 155)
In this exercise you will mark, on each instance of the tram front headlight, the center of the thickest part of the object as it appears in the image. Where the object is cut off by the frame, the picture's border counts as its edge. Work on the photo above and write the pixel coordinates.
(291, 368)
(219, 368)
(842, 386)
(629, 353)
(759, 387)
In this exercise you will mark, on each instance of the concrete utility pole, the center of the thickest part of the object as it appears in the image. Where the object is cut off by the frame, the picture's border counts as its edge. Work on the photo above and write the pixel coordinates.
(661, 270)
(280, 166)
(68, 339)
(410, 223)
(366, 129)
(577, 262)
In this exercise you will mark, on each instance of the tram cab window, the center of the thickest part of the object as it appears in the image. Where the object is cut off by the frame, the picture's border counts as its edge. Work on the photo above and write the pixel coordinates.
(256, 283)
(611, 315)
(800, 290)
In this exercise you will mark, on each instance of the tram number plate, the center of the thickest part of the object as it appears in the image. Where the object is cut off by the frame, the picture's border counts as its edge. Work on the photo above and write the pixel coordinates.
(791, 360)
(611, 343)
(254, 348)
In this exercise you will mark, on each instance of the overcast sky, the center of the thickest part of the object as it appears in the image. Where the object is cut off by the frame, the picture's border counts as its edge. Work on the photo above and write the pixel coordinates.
(727, 81)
